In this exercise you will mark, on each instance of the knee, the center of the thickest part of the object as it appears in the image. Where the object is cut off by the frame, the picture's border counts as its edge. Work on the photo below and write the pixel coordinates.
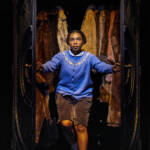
(66, 123)
(81, 128)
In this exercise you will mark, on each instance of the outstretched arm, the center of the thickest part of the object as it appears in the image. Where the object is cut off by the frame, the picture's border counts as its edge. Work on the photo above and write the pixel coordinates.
(100, 66)
(103, 67)
(49, 66)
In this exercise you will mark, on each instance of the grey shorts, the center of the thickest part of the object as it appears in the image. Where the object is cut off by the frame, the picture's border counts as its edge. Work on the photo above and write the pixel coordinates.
(76, 111)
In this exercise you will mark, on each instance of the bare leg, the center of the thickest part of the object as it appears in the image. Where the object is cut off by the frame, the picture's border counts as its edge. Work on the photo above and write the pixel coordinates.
(82, 137)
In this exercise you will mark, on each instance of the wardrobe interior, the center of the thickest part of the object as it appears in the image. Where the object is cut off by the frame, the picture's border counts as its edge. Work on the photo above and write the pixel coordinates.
(100, 22)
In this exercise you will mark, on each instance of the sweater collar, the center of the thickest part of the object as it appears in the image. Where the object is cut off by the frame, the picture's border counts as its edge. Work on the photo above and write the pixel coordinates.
(80, 54)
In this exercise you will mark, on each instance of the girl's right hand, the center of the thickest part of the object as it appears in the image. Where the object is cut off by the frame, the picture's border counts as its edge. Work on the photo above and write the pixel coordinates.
(38, 66)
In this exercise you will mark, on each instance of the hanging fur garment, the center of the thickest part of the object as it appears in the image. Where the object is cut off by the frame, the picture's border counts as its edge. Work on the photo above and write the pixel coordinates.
(62, 30)
(88, 27)
(104, 23)
(114, 112)
(115, 37)
(103, 26)
(110, 88)
(46, 47)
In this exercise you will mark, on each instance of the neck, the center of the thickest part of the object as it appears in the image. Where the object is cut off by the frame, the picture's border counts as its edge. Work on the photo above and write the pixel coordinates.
(76, 52)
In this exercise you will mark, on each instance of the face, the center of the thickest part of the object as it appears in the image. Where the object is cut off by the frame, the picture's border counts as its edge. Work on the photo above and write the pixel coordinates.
(75, 41)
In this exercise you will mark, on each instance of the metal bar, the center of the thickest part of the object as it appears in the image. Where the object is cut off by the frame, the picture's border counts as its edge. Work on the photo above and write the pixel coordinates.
(14, 77)
(34, 11)
(135, 140)
(123, 134)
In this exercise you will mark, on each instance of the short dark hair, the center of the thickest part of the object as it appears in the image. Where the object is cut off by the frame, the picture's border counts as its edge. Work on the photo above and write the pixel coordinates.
(76, 31)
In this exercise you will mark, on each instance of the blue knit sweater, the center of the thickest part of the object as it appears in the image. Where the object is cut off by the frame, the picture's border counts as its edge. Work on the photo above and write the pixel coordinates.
(74, 75)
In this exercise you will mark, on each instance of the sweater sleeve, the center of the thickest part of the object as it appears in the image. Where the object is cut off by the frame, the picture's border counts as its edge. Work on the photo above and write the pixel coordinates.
(53, 64)
(100, 66)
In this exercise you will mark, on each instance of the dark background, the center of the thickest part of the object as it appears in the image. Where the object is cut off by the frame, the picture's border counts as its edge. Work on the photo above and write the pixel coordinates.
(6, 73)
(145, 76)
(6, 59)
